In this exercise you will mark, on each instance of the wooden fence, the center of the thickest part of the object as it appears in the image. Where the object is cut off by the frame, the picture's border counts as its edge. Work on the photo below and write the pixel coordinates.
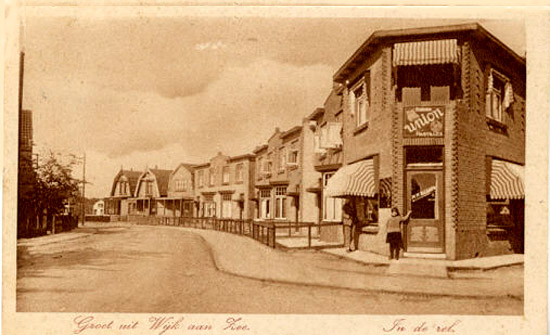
(265, 232)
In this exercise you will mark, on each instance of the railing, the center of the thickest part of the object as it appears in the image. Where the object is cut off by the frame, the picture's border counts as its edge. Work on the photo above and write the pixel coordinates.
(265, 232)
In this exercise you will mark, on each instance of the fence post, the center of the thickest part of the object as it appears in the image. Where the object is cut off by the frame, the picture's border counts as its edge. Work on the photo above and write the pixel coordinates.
(274, 235)
(309, 236)
(289, 228)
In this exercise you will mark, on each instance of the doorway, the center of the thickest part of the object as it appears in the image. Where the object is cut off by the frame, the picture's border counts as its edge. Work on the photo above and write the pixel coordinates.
(424, 198)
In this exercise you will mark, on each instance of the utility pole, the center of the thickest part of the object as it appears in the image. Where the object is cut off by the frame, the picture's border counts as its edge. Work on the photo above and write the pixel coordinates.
(84, 188)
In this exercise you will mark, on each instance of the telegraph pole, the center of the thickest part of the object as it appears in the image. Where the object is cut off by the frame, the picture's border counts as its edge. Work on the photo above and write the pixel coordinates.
(84, 188)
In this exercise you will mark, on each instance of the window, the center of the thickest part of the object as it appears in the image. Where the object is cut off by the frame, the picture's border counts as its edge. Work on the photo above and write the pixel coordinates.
(293, 157)
(332, 207)
(280, 197)
(239, 173)
(282, 159)
(267, 168)
(499, 214)
(427, 155)
(423, 193)
(499, 95)
(225, 175)
(226, 205)
(181, 185)
(265, 202)
(148, 187)
(360, 97)
(209, 207)
(260, 167)
(331, 135)
(201, 178)
(212, 175)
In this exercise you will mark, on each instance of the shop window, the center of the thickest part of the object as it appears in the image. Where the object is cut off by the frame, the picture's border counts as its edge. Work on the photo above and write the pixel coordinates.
(332, 207)
(417, 155)
(499, 214)
(385, 189)
(367, 210)
(280, 202)
(423, 196)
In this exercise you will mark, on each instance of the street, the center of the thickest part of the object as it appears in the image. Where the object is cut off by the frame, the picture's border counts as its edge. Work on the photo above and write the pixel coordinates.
(138, 269)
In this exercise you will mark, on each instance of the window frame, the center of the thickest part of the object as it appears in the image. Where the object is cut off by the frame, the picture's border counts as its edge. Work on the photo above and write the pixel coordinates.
(226, 175)
(362, 117)
(280, 203)
(494, 92)
(336, 202)
(239, 173)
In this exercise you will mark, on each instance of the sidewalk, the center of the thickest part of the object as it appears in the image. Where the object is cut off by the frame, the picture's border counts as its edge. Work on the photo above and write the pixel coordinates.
(247, 258)
(482, 263)
(47, 239)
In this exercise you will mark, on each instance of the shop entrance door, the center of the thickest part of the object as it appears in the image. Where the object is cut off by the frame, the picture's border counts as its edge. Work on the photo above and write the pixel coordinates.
(425, 231)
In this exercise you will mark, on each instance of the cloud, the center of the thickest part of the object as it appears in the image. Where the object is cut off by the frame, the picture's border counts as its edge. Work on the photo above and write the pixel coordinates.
(210, 45)
(234, 114)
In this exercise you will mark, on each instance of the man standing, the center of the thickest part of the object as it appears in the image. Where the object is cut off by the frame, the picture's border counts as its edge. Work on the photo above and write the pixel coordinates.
(351, 219)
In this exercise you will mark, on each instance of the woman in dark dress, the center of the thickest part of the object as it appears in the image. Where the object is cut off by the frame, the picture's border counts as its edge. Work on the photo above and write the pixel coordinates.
(393, 229)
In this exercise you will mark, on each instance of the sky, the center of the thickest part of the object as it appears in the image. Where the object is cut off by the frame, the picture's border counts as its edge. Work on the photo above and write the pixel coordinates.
(144, 91)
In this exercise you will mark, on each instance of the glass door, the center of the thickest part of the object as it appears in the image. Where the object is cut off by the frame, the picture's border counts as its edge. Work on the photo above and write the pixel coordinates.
(425, 231)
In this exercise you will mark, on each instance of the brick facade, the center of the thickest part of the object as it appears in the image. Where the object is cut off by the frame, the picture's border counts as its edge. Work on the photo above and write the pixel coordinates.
(470, 138)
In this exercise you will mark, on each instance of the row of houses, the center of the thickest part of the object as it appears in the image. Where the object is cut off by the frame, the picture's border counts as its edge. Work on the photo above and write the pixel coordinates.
(430, 120)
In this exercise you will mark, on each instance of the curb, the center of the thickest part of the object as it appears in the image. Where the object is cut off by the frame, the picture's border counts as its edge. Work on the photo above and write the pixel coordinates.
(219, 267)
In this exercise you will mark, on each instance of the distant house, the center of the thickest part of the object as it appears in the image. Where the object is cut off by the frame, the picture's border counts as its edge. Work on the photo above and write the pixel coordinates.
(99, 207)
(327, 157)
(224, 187)
(179, 200)
(151, 185)
(280, 191)
(124, 185)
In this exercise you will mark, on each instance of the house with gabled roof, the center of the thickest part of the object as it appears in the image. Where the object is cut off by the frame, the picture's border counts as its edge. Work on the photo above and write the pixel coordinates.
(151, 185)
(123, 188)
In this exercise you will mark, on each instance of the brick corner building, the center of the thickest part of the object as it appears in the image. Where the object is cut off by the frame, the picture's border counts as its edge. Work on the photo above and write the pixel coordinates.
(434, 122)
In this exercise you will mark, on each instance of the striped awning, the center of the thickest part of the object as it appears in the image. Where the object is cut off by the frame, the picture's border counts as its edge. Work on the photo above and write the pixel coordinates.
(426, 52)
(506, 180)
(353, 180)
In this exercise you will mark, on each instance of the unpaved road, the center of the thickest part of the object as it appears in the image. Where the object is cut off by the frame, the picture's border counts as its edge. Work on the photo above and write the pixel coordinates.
(137, 269)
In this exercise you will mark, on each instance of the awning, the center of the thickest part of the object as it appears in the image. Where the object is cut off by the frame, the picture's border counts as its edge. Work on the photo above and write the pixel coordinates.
(506, 180)
(353, 180)
(426, 52)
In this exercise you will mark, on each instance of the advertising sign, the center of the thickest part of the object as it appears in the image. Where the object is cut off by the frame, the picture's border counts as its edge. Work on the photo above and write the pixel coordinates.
(423, 121)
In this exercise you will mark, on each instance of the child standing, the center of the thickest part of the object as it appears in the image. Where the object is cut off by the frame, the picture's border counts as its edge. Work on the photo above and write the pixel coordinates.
(393, 229)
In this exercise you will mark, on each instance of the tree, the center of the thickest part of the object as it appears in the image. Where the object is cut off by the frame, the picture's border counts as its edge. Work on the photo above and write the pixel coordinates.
(53, 186)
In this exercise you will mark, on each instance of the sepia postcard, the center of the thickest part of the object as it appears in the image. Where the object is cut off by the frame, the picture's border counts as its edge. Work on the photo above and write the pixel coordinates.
(260, 168)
